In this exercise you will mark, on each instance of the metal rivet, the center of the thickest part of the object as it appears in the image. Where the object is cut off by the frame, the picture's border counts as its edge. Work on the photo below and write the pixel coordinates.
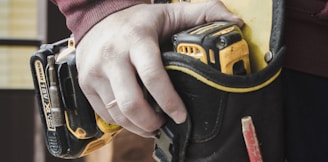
(268, 56)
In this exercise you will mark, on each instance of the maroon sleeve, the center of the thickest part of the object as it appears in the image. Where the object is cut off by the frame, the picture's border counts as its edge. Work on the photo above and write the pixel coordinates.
(306, 36)
(81, 15)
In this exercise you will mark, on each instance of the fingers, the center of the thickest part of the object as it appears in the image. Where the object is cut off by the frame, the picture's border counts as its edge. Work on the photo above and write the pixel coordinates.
(185, 15)
(127, 110)
(93, 89)
(120, 119)
(133, 110)
(94, 80)
(218, 11)
(156, 80)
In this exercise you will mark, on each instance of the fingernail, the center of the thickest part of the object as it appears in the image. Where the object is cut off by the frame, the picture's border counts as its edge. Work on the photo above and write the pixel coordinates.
(179, 117)
(240, 22)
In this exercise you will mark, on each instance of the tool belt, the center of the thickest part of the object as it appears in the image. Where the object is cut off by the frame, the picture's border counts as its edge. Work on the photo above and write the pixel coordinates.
(217, 102)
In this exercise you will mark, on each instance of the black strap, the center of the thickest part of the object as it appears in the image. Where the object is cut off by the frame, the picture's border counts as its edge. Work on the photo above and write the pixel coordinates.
(172, 141)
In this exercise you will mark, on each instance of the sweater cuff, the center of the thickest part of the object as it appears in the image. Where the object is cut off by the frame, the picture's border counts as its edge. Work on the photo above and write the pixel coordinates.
(82, 15)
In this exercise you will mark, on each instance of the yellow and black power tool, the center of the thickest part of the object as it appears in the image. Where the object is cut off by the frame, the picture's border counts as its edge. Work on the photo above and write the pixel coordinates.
(72, 129)
(218, 44)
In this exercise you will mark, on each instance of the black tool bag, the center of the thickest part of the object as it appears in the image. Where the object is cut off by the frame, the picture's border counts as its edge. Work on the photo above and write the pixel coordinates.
(217, 102)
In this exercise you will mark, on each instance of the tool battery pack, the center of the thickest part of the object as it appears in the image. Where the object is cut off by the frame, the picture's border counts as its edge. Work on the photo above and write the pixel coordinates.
(72, 129)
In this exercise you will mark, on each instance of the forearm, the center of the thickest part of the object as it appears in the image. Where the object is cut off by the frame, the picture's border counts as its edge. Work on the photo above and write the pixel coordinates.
(81, 15)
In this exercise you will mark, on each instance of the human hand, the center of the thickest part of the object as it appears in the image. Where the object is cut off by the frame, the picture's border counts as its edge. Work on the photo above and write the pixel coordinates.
(125, 46)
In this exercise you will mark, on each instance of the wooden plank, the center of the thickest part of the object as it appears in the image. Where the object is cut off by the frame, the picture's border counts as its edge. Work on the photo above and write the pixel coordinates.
(126, 147)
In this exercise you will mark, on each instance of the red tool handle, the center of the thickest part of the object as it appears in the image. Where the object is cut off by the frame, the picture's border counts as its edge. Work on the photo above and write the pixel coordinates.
(251, 140)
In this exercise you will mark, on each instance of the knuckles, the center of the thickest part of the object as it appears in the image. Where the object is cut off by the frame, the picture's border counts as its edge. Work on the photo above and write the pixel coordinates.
(129, 107)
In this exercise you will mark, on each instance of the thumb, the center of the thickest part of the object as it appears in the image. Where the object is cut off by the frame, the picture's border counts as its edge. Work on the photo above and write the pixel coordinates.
(185, 15)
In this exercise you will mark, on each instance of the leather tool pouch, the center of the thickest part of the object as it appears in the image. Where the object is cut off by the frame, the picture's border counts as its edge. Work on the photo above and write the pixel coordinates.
(216, 102)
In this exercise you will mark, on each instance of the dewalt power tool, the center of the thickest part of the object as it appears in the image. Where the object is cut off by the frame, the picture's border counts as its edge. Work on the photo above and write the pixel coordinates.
(72, 129)
(219, 44)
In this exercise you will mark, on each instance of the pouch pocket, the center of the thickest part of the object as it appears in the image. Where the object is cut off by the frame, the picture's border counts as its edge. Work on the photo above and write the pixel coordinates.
(216, 103)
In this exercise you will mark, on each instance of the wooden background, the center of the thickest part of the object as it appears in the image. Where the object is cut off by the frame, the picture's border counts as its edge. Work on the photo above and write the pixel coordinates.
(126, 147)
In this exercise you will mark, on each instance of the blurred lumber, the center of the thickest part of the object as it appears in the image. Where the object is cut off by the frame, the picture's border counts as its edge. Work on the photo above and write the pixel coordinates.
(126, 147)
